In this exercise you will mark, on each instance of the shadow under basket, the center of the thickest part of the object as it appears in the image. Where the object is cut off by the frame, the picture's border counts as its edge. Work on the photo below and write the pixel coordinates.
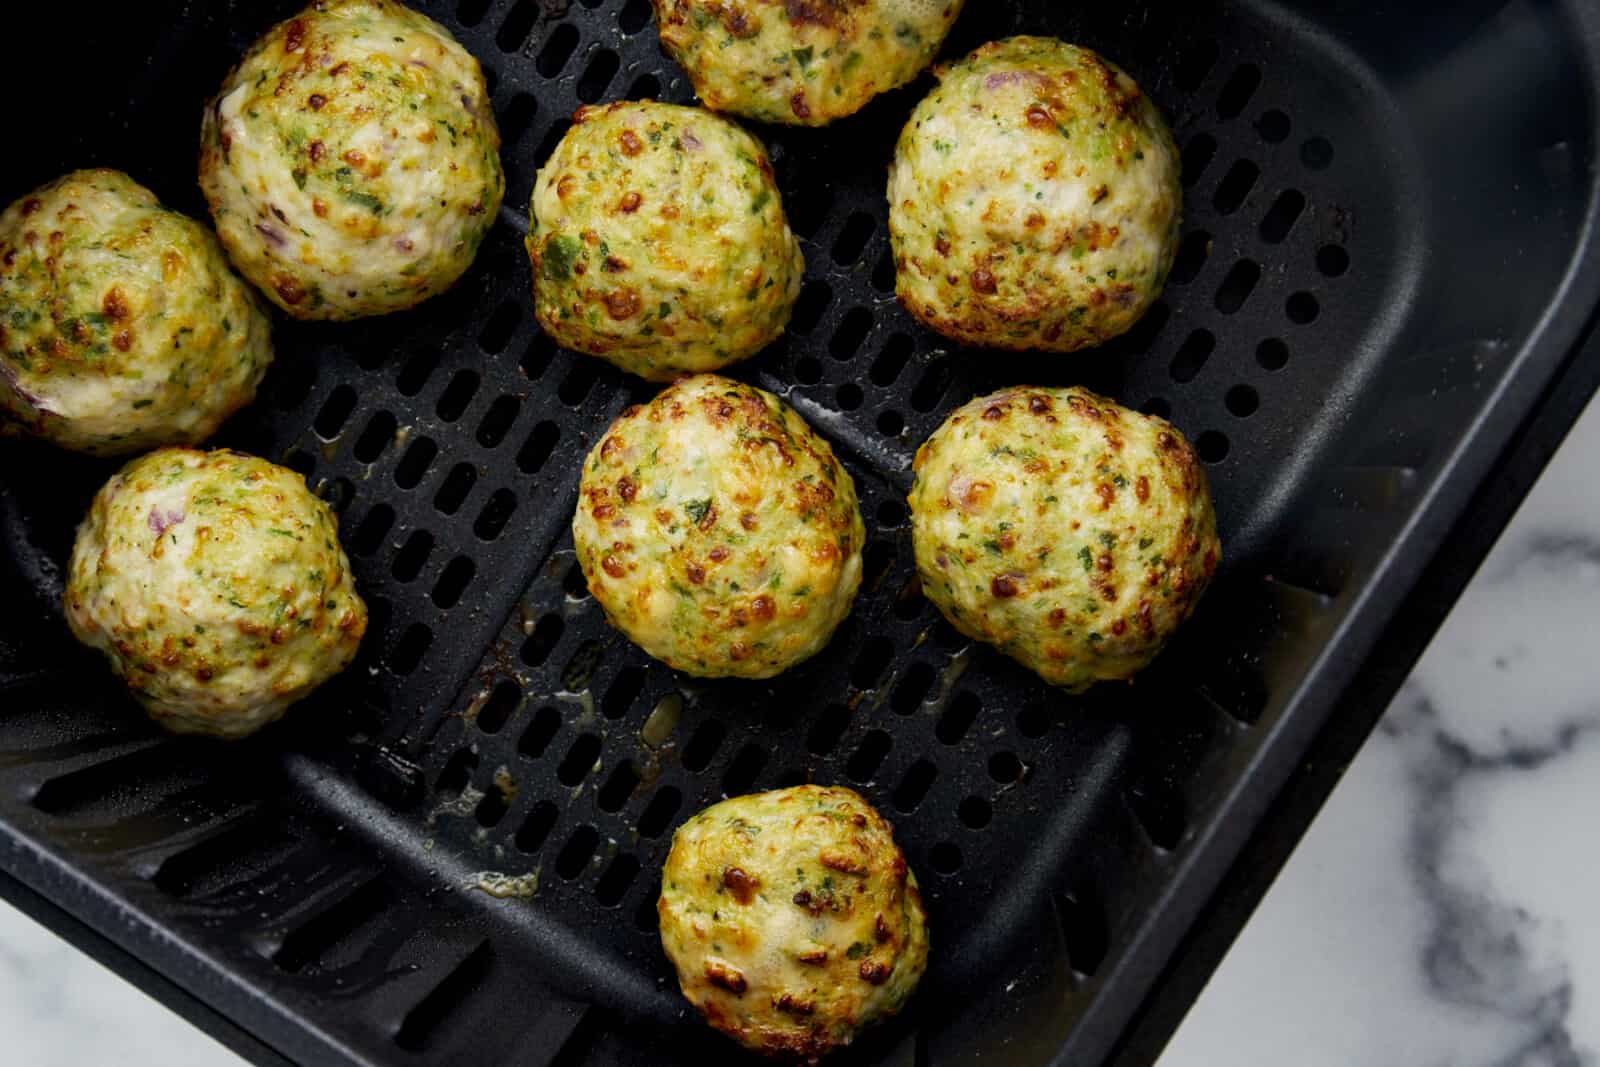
(450, 854)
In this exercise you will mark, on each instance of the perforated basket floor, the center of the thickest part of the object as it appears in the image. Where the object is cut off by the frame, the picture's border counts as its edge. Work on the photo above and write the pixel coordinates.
(328, 885)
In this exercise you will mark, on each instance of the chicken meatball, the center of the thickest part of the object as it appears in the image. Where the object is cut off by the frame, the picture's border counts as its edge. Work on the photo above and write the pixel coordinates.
(718, 531)
(1034, 200)
(351, 160)
(121, 325)
(1072, 534)
(792, 919)
(659, 241)
(215, 585)
(802, 62)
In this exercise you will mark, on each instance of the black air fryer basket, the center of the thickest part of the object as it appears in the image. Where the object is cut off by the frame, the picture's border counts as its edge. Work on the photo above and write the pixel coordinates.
(1386, 276)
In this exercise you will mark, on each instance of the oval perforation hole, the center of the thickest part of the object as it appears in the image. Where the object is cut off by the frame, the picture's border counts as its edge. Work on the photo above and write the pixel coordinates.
(892, 360)
(848, 397)
(514, 30)
(742, 773)
(596, 77)
(702, 747)
(658, 813)
(495, 514)
(1302, 308)
(379, 431)
(415, 374)
(914, 786)
(872, 661)
(1212, 446)
(497, 421)
(1332, 260)
(807, 371)
(1273, 126)
(453, 492)
(535, 452)
(574, 388)
(1242, 401)
(1235, 186)
(1006, 768)
(635, 16)
(496, 333)
(458, 771)
(337, 493)
(945, 857)
(471, 12)
(296, 380)
(410, 649)
(958, 718)
(557, 50)
(853, 330)
(1238, 285)
(369, 535)
(414, 464)
(853, 238)
(913, 688)
(645, 87)
(875, 563)
(457, 575)
(1282, 216)
(622, 692)
(1192, 254)
(1238, 89)
(808, 310)
(492, 808)
(1272, 354)
(552, 137)
(868, 756)
(540, 732)
(537, 826)
(412, 555)
(577, 852)
(892, 513)
(975, 813)
(826, 731)
(503, 700)
(335, 412)
(579, 760)
(891, 423)
(546, 633)
(884, 275)
(457, 395)
(518, 116)
(1197, 156)
(613, 884)
(931, 387)
(1157, 406)
(1192, 356)
(536, 360)
(1034, 720)
(574, 584)
(619, 787)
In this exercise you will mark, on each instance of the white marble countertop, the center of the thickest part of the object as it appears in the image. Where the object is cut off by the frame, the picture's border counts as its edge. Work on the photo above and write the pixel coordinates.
(1438, 911)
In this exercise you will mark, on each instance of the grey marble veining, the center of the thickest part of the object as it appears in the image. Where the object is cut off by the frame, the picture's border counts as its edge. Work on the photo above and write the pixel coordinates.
(1441, 910)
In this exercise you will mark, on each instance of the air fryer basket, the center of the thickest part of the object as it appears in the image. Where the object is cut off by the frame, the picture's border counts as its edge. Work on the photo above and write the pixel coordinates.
(1387, 257)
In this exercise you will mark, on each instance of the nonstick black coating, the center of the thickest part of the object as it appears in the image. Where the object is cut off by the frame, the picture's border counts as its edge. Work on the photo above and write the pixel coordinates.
(1380, 209)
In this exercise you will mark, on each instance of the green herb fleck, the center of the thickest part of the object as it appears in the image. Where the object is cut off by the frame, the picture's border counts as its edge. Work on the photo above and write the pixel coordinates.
(802, 56)
(857, 949)
(1086, 557)
(559, 255)
(698, 509)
